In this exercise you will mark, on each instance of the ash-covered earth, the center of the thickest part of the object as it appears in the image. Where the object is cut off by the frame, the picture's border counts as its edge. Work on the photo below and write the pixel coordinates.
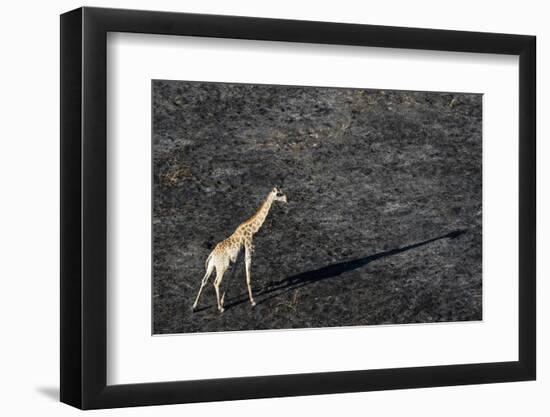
(383, 222)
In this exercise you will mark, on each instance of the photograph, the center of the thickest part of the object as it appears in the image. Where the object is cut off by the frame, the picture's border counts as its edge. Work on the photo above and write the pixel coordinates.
(267, 204)
(304, 207)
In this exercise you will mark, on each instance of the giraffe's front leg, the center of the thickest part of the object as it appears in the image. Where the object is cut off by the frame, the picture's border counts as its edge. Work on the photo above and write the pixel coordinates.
(247, 262)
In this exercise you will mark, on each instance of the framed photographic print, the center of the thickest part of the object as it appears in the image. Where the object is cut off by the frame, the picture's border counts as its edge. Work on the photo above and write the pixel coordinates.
(257, 207)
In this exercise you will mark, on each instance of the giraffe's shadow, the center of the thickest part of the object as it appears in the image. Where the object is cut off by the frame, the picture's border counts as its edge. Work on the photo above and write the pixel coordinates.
(292, 283)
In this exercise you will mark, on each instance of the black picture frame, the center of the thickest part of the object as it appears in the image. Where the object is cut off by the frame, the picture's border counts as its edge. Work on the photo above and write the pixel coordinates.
(84, 207)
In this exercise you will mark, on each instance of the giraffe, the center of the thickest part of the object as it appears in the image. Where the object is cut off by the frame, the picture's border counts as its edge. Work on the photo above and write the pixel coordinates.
(227, 250)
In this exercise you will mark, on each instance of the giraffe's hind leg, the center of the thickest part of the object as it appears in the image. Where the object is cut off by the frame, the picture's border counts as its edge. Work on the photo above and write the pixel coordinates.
(217, 283)
(209, 270)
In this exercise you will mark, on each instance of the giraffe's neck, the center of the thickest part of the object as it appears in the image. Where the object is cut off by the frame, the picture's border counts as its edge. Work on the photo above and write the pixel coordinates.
(258, 219)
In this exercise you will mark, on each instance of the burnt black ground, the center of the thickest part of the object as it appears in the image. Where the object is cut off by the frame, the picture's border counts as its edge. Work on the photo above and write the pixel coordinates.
(383, 223)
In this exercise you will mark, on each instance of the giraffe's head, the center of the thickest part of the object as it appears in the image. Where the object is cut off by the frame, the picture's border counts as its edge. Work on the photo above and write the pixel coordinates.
(278, 195)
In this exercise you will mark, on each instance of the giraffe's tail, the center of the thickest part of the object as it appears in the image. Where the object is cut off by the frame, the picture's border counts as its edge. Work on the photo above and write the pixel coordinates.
(207, 261)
